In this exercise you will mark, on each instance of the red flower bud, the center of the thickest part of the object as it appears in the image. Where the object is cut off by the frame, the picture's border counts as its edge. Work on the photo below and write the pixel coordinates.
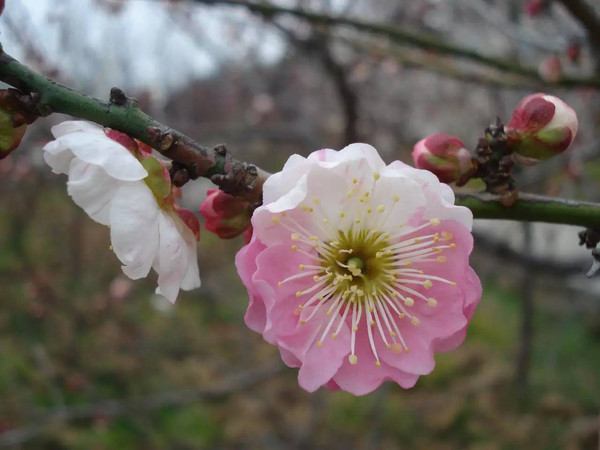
(541, 126)
(226, 215)
(445, 156)
(550, 69)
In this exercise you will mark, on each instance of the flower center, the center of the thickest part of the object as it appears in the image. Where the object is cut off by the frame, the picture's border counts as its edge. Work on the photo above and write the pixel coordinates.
(366, 274)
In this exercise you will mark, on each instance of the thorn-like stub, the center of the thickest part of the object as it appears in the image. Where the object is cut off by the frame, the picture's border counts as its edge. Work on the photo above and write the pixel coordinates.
(166, 141)
(118, 97)
(221, 150)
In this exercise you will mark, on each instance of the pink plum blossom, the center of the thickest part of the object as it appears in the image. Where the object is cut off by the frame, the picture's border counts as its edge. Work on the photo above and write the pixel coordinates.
(119, 184)
(445, 156)
(357, 271)
(541, 126)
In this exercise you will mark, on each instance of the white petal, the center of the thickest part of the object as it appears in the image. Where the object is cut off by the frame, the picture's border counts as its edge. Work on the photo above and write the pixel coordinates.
(102, 151)
(191, 279)
(71, 126)
(134, 228)
(282, 182)
(362, 151)
(91, 189)
(172, 261)
(57, 156)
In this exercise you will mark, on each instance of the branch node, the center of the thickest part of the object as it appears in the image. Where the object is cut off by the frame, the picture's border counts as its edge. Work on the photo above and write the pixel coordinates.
(221, 150)
(118, 97)
(166, 140)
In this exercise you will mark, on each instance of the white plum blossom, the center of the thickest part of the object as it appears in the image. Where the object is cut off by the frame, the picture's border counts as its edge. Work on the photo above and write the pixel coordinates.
(125, 188)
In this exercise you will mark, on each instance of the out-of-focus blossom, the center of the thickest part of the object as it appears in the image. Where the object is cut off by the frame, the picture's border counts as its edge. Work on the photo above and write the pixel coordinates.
(550, 69)
(118, 183)
(445, 156)
(358, 271)
(534, 8)
(541, 126)
(226, 215)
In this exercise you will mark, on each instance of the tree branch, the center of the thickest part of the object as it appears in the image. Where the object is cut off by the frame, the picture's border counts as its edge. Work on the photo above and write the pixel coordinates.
(533, 208)
(240, 178)
(425, 42)
(121, 113)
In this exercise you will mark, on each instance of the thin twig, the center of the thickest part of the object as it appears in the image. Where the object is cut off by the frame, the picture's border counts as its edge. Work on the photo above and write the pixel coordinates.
(425, 42)
(113, 408)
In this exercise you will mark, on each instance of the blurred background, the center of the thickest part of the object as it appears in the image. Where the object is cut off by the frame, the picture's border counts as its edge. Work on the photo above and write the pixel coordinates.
(91, 360)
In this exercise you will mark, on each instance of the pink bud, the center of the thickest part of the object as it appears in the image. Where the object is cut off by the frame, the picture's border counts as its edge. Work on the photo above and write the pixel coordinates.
(550, 69)
(445, 156)
(535, 7)
(541, 126)
(226, 215)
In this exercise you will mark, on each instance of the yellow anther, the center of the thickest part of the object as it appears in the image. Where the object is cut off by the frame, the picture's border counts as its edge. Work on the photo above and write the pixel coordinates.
(409, 301)
(436, 237)
(342, 214)
(353, 359)
(369, 210)
(415, 321)
(279, 283)
(357, 221)
(313, 238)
(421, 272)
(432, 302)
(394, 294)
(294, 247)
(110, 247)
(316, 200)
(377, 363)
(334, 336)
(354, 328)
(319, 344)
(349, 194)
(441, 259)
(320, 297)
(295, 237)
(275, 219)
(367, 194)
(296, 312)
(396, 198)
(434, 221)
(400, 225)
(302, 322)
(388, 346)
(316, 278)
(326, 220)
(376, 176)
(392, 333)
(299, 294)
(372, 323)
(354, 180)
(397, 347)
(446, 236)
(427, 284)
(408, 264)
(300, 307)
(380, 208)
(453, 245)
(283, 214)
(452, 283)
(416, 240)
(401, 315)
(361, 199)
(406, 350)
(302, 267)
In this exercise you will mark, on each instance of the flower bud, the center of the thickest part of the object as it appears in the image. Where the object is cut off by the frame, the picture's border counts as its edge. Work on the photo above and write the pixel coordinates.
(541, 126)
(226, 215)
(12, 125)
(550, 69)
(445, 156)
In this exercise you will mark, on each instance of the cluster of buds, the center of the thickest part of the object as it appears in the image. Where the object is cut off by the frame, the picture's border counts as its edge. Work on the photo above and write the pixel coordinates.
(541, 126)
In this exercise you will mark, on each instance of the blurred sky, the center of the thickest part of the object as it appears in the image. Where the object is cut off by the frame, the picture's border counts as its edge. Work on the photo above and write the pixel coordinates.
(147, 44)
